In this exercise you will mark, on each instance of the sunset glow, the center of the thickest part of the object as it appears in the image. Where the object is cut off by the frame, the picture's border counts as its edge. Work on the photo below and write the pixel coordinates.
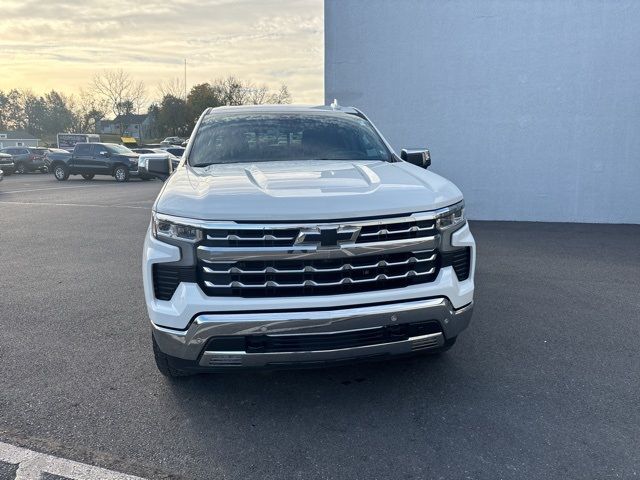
(61, 44)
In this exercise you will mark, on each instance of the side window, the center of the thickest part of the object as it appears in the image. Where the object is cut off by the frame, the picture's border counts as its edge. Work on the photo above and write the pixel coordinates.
(83, 149)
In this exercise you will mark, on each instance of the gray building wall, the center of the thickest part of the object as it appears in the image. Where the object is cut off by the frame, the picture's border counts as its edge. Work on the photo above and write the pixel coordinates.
(531, 107)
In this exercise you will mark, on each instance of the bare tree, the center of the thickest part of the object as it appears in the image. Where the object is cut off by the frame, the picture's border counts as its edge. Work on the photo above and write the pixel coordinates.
(88, 110)
(258, 95)
(119, 89)
(281, 96)
(173, 87)
(233, 90)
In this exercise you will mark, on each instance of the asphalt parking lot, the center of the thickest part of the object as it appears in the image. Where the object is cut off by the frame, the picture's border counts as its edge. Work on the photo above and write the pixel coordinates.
(544, 384)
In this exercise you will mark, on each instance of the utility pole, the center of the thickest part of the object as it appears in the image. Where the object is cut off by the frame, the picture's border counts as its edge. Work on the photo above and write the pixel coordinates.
(185, 79)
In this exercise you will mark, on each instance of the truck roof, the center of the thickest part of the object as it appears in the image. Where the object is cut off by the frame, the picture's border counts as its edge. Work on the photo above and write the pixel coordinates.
(96, 143)
(271, 108)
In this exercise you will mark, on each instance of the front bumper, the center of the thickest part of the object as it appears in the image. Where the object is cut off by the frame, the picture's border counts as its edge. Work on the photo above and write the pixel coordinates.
(184, 326)
(191, 345)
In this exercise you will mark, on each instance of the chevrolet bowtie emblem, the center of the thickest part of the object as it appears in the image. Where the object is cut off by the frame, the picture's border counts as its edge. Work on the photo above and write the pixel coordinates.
(327, 236)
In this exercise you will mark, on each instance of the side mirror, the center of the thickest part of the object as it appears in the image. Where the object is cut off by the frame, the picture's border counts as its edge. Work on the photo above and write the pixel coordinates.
(416, 156)
(104, 153)
(157, 165)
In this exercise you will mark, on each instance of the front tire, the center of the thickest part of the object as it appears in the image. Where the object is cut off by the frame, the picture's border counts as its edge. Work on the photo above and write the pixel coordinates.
(20, 168)
(61, 172)
(88, 176)
(121, 174)
(163, 362)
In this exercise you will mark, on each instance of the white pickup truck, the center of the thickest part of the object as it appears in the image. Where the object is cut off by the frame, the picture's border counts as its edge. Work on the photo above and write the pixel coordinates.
(295, 236)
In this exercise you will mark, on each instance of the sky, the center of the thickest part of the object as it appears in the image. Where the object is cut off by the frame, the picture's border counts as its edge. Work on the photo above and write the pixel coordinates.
(61, 45)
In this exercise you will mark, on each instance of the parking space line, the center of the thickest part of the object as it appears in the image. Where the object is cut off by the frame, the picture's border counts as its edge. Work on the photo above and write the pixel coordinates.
(76, 205)
(48, 188)
(34, 465)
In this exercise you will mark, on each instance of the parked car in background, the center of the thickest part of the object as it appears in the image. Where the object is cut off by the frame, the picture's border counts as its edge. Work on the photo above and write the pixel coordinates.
(27, 159)
(90, 159)
(69, 140)
(54, 154)
(167, 142)
(6, 164)
(148, 151)
(176, 151)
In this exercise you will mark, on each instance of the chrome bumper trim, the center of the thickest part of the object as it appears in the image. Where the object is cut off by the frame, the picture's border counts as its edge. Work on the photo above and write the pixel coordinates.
(189, 344)
(252, 360)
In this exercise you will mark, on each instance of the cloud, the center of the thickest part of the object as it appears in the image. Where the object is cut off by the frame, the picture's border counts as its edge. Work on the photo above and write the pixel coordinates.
(61, 44)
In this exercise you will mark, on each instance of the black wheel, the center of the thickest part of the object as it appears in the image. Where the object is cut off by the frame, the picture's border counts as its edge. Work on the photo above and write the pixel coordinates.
(163, 362)
(20, 169)
(88, 176)
(121, 174)
(60, 172)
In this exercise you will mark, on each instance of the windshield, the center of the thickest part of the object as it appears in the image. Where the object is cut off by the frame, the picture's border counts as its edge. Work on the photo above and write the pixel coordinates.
(256, 137)
(113, 148)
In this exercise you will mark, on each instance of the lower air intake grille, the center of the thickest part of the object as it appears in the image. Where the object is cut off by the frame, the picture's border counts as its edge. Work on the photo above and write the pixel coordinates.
(323, 341)
(460, 260)
(166, 279)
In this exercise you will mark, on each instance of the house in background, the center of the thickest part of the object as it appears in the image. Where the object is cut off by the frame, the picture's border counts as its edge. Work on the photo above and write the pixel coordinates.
(132, 125)
(18, 138)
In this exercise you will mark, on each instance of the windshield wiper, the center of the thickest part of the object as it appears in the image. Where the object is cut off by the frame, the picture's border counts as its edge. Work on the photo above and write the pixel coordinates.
(205, 164)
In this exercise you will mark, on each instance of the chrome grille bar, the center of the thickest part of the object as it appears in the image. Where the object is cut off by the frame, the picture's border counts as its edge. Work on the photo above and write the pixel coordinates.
(310, 269)
(234, 237)
(217, 254)
(313, 283)
(386, 231)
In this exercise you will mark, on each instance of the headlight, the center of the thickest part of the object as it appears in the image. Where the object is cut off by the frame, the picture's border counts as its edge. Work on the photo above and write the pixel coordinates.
(450, 216)
(162, 227)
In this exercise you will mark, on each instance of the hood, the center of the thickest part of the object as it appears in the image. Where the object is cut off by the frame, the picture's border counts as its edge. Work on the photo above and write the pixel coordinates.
(303, 190)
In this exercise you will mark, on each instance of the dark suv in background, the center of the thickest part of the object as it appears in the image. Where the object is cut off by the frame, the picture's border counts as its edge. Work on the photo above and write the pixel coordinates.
(6, 164)
(27, 159)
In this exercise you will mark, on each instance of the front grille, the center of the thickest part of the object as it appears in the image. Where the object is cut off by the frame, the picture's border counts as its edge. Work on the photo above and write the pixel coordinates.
(285, 277)
(322, 341)
(270, 260)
